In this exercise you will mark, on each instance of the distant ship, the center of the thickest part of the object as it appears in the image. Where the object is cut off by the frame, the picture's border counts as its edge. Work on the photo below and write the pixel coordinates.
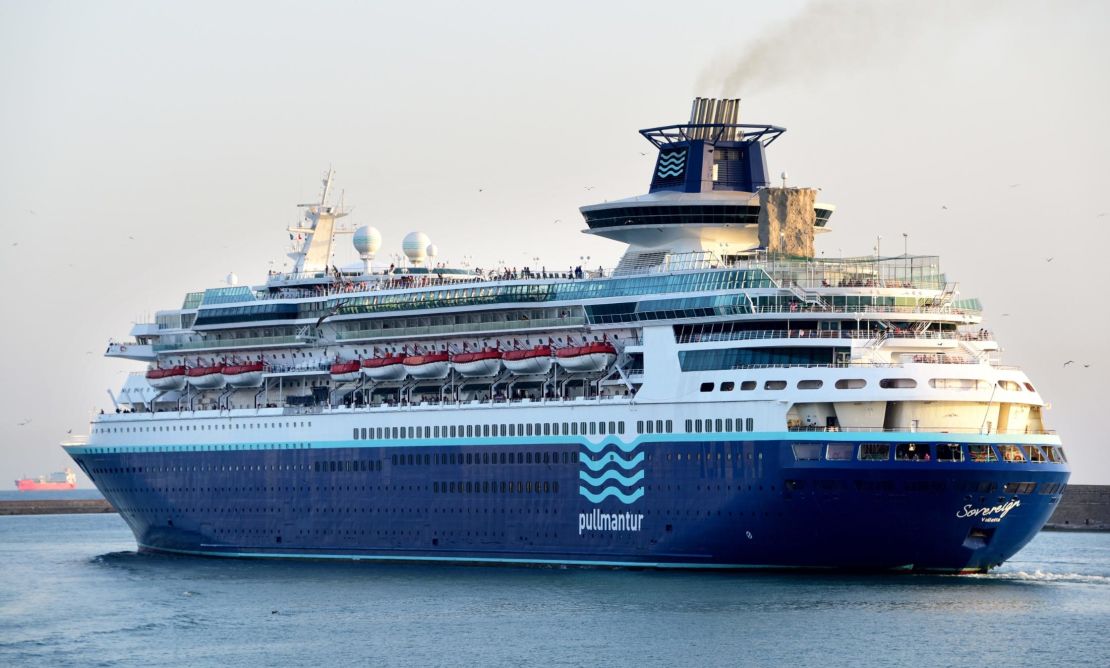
(722, 398)
(58, 480)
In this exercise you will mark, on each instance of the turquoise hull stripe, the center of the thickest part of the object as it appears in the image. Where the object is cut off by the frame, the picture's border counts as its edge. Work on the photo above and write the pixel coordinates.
(545, 441)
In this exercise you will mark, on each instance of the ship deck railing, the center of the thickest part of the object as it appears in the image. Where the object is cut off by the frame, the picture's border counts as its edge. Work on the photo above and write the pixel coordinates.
(924, 430)
(757, 334)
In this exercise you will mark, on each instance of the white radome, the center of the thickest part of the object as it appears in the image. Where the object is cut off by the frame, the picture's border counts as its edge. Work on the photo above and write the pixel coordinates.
(415, 245)
(432, 250)
(367, 240)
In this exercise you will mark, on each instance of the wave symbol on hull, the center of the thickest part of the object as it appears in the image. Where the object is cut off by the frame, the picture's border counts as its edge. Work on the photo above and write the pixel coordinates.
(671, 164)
(612, 458)
(614, 492)
(627, 481)
(611, 473)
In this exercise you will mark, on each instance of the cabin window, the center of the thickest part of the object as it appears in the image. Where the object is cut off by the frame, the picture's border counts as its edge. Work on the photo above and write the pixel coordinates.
(707, 387)
(1055, 453)
(670, 427)
(810, 384)
(949, 452)
(601, 428)
(1034, 454)
(639, 426)
(981, 453)
(1011, 453)
(613, 427)
(874, 452)
(728, 386)
(839, 452)
(775, 385)
(593, 428)
(911, 452)
(807, 452)
(649, 427)
(747, 386)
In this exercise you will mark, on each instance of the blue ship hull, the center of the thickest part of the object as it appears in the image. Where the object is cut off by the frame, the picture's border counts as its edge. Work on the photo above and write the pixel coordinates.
(670, 503)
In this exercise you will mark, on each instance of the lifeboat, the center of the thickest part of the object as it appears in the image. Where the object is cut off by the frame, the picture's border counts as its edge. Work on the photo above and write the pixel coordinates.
(345, 372)
(529, 362)
(390, 367)
(478, 364)
(172, 378)
(244, 375)
(590, 357)
(206, 377)
(430, 366)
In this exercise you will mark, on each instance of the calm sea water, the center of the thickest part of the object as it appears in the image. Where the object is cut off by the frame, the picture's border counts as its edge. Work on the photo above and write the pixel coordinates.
(73, 591)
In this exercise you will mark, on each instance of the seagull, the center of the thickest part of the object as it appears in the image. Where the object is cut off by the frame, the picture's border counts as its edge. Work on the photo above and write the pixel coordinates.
(1101, 215)
(1005, 315)
(333, 311)
(557, 220)
(642, 153)
(15, 244)
(481, 189)
(32, 212)
(130, 237)
(24, 423)
(1014, 185)
(589, 187)
(1069, 362)
(1048, 259)
(943, 206)
(1086, 366)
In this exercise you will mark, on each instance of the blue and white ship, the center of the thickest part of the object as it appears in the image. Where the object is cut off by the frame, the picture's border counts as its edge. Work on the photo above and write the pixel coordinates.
(722, 398)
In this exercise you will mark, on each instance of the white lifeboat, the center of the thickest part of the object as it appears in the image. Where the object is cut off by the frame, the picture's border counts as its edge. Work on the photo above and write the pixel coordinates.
(390, 367)
(590, 357)
(528, 362)
(206, 377)
(248, 374)
(432, 366)
(477, 364)
(172, 378)
(345, 372)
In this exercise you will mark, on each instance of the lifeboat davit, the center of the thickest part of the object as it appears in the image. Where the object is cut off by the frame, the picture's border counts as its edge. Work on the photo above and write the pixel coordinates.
(430, 366)
(345, 372)
(172, 378)
(590, 357)
(390, 367)
(529, 362)
(480, 364)
(244, 375)
(206, 377)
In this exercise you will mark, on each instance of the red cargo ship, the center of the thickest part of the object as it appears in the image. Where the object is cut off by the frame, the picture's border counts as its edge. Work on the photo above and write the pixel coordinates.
(61, 480)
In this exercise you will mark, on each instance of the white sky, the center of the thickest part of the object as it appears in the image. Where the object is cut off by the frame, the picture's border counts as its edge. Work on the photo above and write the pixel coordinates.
(147, 149)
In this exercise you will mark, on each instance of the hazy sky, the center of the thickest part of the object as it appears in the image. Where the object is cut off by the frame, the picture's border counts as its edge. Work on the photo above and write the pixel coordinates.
(147, 149)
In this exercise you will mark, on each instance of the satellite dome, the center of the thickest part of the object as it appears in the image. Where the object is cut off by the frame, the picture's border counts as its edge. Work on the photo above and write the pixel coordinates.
(432, 250)
(367, 240)
(415, 245)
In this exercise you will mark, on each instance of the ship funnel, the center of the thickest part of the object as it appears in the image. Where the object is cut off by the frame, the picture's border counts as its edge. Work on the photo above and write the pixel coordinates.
(711, 111)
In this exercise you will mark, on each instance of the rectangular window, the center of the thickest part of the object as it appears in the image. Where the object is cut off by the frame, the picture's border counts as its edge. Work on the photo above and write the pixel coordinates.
(649, 427)
(1011, 453)
(750, 424)
(949, 452)
(915, 452)
(593, 428)
(981, 453)
(640, 426)
(839, 452)
(728, 386)
(469, 431)
(689, 426)
(670, 426)
(719, 425)
(807, 452)
(356, 434)
(874, 452)
(706, 387)
(1034, 454)
(601, 428)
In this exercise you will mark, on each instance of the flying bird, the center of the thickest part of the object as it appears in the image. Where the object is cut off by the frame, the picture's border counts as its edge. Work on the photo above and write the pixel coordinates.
(1086, 366)
(24, 423)
(944, 206)
(1014, 185)
(1048, 259)
(1069, 362)
(481, 189)
(32, 212)
(589, 187)
(557, 220)
(333, 311)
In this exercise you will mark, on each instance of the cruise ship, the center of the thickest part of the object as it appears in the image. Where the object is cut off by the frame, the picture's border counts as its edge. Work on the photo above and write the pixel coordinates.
(722, 398)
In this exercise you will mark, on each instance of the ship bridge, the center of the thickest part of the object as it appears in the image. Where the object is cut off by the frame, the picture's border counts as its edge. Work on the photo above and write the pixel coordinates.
(707, 191)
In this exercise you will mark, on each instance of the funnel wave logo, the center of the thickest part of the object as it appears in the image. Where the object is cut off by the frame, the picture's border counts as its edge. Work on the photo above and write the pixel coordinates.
(611, 470)
(671, 164)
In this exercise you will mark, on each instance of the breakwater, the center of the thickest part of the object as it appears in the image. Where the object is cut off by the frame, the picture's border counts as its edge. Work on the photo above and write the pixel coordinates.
(54, 506)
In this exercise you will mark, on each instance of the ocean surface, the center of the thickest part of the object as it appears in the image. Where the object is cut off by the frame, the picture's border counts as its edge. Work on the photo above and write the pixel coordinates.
(73, 591)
